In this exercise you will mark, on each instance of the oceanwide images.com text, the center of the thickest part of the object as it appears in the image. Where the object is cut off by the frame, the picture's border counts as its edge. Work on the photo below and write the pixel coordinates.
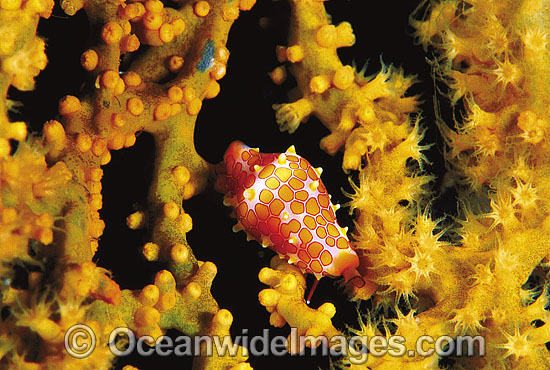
(80, 342)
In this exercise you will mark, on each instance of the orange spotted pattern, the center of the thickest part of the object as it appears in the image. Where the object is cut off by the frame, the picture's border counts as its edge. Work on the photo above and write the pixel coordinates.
(280, 201)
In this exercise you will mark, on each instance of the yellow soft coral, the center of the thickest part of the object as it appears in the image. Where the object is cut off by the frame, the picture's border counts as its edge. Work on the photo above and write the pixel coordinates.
(355, 109)
(26, 64)
(26, 183)
(58, 180)
(285, 301)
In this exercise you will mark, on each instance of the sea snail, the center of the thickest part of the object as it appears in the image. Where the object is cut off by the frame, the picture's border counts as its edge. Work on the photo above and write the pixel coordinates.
(280, 201)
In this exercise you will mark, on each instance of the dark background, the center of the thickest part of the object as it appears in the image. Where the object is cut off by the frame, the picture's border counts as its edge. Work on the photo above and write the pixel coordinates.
(241, 111)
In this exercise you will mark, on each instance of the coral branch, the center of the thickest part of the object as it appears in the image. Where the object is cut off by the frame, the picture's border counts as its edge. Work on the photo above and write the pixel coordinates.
(344, 100)
(285, 301)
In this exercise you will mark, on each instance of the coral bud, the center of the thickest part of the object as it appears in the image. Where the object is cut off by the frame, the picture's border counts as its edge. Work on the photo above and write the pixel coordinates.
(166, 33)
(532, 126)
(116, 141)
(167, 301)
(175, 63)
(179, 253)
(44, 8)
(269, 276)
(135, 106)
(212, 90)
(319, 84)
(191, 292)
(294, 54)
(105, 158)
(111, 33)
(343, 77)
(175, 94)
(326, 36)
(278, 75)
(165, 281)
(151, 251)
(222, 54)
(55, 134)
(118, 120)
(269, 297)
(94, 174)
(131, 79)
(126, 27)
(136, 220)
(17, 130)
(99, 146)
(246, 4)
(218, 71)
(288, 283)
(69, 104)
(109, 79)
(132, 11)
(171, 210)
(194, 107)
(181, 174)
(328, 309)
(10, 4)
(83, 142)
(154, 6)
(178, 26)
(230, 12)
(96, 228)
(162, 111)
(120, 86)
(201, 8)
(130, 140)
(175, 109)
(146, 316)
(129, 44)
(141, 9)
(188, 191)
(222, 319)
(149, 295)
(152, 21)
(89, 59)
(345, 36)
(94, 187)
(95, 201)
(208, 270)
(188, 94)
(186, 222)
